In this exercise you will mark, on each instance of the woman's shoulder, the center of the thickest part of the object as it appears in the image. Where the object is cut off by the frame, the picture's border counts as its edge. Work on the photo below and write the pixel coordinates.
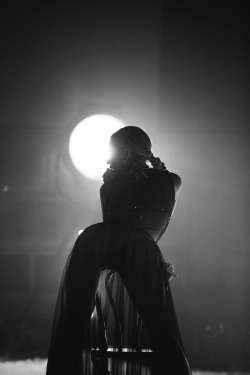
(153, 174)
(161, 174)
(176, 181)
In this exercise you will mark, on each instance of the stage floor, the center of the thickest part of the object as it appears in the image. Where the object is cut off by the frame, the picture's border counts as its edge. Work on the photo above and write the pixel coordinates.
(38, 367)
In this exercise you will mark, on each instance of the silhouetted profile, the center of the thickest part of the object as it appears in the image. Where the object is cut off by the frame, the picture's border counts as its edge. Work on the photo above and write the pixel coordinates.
(137, 204)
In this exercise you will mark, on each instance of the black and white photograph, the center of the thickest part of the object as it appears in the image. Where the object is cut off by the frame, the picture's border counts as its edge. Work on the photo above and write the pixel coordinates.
(124, 188)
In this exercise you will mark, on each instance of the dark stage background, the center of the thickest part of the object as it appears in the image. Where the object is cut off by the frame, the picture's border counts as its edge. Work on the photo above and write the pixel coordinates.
(181, 71)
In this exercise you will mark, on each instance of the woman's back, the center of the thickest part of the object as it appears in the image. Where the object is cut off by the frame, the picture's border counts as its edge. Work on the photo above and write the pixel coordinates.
(147, 203)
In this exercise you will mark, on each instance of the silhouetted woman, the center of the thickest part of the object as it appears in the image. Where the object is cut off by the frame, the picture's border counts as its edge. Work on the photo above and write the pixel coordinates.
(137, 204)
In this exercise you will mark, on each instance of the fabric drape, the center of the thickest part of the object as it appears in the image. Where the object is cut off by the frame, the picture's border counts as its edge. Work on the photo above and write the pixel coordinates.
(140, 286)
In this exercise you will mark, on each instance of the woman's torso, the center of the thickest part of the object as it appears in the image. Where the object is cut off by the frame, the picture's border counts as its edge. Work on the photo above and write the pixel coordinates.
(147, 203)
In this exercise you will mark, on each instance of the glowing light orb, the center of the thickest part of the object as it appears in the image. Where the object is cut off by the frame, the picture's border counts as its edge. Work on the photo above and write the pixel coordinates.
(89, 144)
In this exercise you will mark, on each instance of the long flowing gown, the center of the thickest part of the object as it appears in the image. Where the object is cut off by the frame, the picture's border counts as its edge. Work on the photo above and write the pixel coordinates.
(136, 213)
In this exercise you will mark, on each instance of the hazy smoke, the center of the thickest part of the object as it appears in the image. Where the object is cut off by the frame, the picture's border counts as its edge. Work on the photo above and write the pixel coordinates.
(38, 367)
(28, 367)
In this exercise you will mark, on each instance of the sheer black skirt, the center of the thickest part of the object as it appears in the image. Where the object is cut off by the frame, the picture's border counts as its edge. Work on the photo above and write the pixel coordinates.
(140, 286)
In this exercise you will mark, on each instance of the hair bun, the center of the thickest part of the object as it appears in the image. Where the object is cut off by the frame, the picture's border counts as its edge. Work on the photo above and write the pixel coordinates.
(157, 163)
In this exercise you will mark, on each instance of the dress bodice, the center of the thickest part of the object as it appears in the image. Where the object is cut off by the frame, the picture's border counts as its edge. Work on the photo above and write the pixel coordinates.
(147, 203)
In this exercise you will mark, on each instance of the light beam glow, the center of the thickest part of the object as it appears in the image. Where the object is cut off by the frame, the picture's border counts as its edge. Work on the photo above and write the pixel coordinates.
(89, 144)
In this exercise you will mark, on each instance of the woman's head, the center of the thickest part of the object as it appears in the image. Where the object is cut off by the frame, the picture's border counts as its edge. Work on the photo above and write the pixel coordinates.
(128, 145)
(130, 149)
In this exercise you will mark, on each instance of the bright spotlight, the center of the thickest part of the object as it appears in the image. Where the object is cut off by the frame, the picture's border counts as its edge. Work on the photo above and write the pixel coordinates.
(89, 144)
